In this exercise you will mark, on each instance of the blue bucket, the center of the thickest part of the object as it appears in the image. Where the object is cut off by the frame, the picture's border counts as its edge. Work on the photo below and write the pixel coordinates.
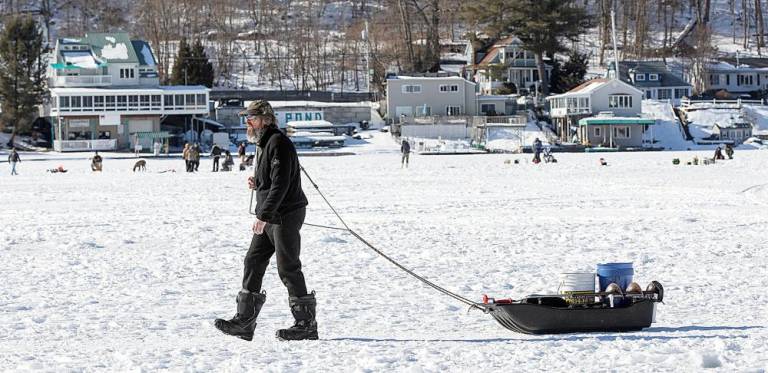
(619, 273)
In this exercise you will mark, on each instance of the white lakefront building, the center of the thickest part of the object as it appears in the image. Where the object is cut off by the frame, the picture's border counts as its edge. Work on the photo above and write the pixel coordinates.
(106, 94)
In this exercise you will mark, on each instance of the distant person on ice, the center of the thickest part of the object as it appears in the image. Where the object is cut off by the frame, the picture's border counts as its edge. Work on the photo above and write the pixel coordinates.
(96, 162)
(228, 161)
(280, 210)
(185, 155)
(729, 151)
(194, 157)
(405, 148)
(241, 152)
(215, 154)
(718, 154)
(537, 150)
(13, 158)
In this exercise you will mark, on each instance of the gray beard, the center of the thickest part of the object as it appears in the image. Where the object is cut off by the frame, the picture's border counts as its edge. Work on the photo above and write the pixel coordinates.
(254, 135)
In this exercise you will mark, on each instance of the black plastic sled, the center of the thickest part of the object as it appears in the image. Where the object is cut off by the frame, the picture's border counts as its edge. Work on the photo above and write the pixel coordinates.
(553, 314)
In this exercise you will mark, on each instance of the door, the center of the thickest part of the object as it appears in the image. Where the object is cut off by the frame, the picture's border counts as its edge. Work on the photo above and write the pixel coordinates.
(140, 125)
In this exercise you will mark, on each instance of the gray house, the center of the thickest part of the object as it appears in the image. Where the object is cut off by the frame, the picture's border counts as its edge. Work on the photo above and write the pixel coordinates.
(739, 75)
(419, 95)
(736, 131)
(654, 79)
(609, 97)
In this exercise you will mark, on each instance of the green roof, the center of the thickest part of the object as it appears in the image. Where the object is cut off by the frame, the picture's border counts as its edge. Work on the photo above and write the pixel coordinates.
(614, 121)
(116, 47)
(109, 47)
(154, 135)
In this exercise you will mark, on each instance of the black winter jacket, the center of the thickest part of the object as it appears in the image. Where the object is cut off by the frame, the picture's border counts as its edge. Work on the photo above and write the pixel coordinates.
(278, 178)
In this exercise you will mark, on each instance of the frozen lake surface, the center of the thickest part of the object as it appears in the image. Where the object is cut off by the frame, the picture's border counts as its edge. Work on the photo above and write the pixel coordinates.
(123, 271)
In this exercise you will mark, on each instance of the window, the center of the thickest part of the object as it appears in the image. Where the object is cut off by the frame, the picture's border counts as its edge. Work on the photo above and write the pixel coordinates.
(64, 102)
(425, 110)
(168, 101)
(88, 102)
(639, 77)
(110, 100)
(619, 101)
(190, 100)
(621, 132)
(453, 110)
(681, 92)
(126, 74)
(412, 88)
(488, 109)
(122, 102)
(201, 100)
(664, 94)
(653, 77)
(133, 102)
(179, 100)
(76, 101)
(648, 94)
(742, 79)
(714, 79)
(449, 88)
(144, 101)
(598, 132)
(155, 100)
(98, 102)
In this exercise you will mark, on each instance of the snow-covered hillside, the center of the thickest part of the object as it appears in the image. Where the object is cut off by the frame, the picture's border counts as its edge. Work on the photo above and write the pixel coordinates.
(123, 271)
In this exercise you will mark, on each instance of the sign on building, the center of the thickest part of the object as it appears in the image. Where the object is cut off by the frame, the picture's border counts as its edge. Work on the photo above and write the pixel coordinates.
(283, 117)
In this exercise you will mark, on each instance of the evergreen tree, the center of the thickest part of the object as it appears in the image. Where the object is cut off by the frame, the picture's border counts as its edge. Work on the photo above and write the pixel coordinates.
(22, 72)
(543, 25)
(181, 68)
(565, 77)
(192, 66)
(202, 67)
(574, 70)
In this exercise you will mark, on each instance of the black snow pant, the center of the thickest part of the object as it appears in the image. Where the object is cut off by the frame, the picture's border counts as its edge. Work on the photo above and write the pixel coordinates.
(215, 164)
(284, 241)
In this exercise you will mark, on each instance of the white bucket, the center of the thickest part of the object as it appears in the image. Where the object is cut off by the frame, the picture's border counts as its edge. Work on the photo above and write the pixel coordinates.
(581, 282)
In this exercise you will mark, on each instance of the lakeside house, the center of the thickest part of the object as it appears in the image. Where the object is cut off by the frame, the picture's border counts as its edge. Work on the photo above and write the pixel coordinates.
(106, 94)
(654, 79)
(505, 61)
(737, 75)
(600, 113)
(419, 95)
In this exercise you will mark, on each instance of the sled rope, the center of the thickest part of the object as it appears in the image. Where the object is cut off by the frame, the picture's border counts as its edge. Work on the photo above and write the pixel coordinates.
(349, 230)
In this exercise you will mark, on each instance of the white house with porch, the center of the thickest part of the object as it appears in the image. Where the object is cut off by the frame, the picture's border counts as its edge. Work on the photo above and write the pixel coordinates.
(106, 95)
(617, 104)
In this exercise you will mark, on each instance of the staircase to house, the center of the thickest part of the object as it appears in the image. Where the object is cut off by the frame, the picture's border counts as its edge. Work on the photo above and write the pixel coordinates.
(683, 122)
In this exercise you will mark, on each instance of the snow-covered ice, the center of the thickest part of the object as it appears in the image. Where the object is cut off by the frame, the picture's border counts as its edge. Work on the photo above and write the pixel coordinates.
(123, 271)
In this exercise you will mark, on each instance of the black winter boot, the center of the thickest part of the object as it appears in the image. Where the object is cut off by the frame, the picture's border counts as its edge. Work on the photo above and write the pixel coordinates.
(244, 321)
(303, 310)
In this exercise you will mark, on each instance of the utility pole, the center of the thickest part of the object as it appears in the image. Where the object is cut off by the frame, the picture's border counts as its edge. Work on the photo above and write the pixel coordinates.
(615, 49)
(367, 58)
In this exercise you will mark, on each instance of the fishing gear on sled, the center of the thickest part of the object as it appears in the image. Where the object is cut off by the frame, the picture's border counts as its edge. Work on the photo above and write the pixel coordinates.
(617, 304)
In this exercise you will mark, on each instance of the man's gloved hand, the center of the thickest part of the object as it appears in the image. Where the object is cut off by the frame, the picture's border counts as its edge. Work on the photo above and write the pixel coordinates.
(251, 182)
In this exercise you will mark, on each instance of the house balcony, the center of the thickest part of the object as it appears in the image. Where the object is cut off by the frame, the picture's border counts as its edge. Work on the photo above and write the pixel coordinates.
(81, 81)
(565, 112)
